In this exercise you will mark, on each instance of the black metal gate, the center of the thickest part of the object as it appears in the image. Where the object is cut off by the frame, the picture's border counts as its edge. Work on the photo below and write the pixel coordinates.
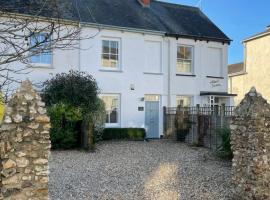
(204, 124)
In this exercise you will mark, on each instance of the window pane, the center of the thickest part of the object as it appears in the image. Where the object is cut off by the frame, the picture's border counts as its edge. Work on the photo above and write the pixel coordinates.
(151, 97)
(114, 47)
(113, 116)
(105, 46)
(111, 106)
(184, 66)
(106, 60)
(181, 52)
(45, 56)
(183, 101)
(35, 59)
(188, 53)
(114, 60)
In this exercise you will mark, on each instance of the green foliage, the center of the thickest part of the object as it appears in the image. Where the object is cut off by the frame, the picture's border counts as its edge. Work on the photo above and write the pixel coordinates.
(63, 139)
(74, 88)
(124, 133)
(225, 150)
(64, 120)
(72, 98)
(99, 119)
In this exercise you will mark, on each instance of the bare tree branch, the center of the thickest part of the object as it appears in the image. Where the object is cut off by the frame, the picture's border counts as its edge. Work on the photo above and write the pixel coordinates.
(18, 31)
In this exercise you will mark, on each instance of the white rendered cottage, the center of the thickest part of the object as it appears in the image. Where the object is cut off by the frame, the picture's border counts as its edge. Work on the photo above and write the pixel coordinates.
(145, 55)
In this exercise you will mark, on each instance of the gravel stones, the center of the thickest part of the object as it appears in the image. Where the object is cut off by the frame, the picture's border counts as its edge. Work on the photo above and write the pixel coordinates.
(161, 169)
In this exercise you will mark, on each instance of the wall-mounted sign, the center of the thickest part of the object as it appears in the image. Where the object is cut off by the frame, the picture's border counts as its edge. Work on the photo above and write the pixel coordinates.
(215, 83)
(140, 108)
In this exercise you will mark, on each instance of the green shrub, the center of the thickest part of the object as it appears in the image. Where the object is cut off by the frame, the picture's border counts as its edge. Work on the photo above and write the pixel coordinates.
(64, 120)
(123, 134)
(225, 150)
(75, 88)
(72, 98)
(63, 139)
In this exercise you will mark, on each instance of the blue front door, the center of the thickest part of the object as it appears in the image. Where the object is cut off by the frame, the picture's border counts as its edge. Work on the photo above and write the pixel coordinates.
(152, 119)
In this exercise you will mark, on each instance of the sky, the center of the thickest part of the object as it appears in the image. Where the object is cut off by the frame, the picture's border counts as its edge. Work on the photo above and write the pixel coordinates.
(238, 19)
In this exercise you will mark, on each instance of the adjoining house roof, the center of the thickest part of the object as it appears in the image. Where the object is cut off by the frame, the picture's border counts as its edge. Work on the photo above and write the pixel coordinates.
(171, 19)
(258, 35)
(236, 69)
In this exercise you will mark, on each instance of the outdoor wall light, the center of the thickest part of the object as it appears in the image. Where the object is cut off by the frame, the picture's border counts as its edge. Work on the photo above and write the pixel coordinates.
(132, 87)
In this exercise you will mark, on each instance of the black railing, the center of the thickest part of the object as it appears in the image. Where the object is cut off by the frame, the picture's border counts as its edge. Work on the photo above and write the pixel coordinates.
(204, 123)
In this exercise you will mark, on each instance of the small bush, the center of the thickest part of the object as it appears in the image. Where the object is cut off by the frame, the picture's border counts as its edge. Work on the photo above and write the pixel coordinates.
(72, 98)
(64, 120)
(123, 134)
(225, 150)
(63, 139)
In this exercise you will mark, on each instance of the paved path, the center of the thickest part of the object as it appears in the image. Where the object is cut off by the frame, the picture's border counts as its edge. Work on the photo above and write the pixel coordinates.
(162, 170)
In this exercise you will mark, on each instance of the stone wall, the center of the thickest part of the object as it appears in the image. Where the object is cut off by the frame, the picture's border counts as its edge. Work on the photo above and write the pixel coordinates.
(251, 148)
(25, 147)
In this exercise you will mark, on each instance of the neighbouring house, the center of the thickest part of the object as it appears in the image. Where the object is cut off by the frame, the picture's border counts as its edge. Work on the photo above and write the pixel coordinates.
(255, 69)
(145, 55)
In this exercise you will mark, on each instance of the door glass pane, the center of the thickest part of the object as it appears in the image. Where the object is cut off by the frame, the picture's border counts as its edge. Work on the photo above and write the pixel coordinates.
(151, 97)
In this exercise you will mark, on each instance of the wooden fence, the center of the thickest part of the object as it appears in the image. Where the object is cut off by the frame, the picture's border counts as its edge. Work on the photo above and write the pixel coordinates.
(205, 123)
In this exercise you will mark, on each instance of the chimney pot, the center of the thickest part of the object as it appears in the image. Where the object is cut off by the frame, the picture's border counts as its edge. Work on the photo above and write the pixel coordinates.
(145, 3)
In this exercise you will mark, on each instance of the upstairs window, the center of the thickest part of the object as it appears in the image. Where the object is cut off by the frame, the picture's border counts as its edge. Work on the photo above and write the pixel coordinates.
(110, 54)
(184, 59)
(42, 52)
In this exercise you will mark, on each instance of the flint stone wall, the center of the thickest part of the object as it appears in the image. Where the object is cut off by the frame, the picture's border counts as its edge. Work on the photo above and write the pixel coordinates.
(250, 141)
(24, 147)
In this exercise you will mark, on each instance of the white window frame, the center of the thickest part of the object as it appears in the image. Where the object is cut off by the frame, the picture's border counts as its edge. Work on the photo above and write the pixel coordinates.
(118, 68)
(187, 96)
(41, 65)
(192, 59)
(118, 109)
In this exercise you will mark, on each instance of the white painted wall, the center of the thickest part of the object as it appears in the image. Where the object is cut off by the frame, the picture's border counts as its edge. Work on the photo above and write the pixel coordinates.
(137, 69)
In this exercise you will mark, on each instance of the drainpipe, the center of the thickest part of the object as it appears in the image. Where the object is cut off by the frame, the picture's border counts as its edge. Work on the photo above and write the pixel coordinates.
(79, 50)
(169, 73)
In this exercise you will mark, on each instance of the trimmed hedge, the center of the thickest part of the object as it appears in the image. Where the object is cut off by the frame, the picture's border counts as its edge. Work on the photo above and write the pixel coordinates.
(124, 134)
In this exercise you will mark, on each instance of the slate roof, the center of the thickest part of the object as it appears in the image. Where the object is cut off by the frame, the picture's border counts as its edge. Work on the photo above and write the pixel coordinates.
(171, 19)
(237, 68)
(258, 35)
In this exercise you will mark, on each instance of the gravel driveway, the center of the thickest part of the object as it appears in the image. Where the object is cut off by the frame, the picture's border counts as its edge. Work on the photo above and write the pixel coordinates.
(162, 170)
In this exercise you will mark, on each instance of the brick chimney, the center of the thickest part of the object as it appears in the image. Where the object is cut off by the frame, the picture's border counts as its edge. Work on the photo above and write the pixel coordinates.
(145, 3)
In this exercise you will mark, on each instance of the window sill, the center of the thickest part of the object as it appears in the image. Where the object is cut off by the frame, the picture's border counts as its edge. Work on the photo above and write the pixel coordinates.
(217, 77)
(189, 75)
(111, 70)
(40, 65)
(153, 73)
(112, 125)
